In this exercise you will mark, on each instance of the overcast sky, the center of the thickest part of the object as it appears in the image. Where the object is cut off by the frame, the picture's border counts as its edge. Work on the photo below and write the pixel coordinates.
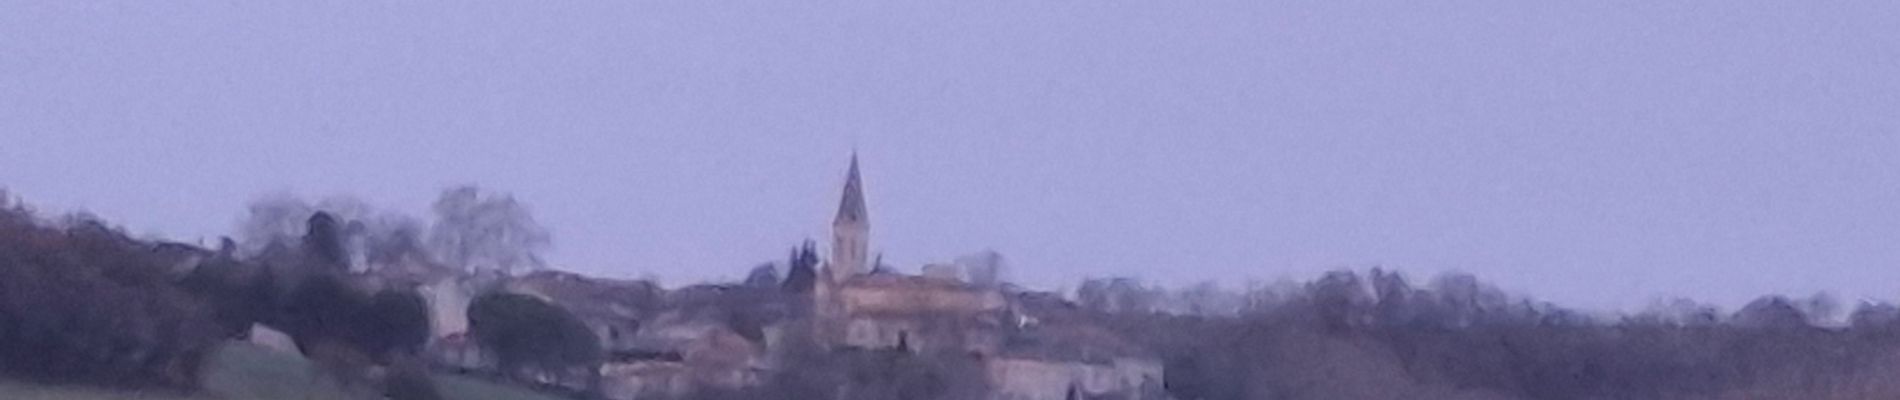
(1598, 154)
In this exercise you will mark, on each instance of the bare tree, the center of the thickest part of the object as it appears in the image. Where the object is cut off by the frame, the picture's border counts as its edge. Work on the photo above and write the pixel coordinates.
(273, 218)
(479, 230)
(372, 237)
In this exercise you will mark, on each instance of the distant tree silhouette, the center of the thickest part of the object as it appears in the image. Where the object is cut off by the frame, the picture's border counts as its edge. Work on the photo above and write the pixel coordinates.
(803, 272)
(480, 230)
(85, 304)
(525, 333)
(324, 243)
(375, 238)
(398, 322)
(1772, 312)
(346, 331)
(321, 308)
(1875, 316)
(764, 275)
(239, 294)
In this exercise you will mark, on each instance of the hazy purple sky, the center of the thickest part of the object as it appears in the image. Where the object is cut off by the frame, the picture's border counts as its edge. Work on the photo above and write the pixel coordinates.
(1595, 153)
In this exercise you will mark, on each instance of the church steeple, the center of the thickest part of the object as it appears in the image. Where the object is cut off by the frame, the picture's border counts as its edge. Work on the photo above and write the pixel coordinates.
(851, 208)
(851, 230)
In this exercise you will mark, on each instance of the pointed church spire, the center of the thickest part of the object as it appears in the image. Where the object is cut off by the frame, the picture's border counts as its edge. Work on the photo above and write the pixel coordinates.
(851, 232)
(851, 208)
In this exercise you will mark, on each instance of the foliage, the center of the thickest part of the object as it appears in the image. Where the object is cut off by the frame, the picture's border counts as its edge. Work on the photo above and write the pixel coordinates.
(374, 237)
(238, 293)
(764, 275)
(472, 229)
(325, 308)
(323, 244)
(1344, 335)
(398, 321)
(522, 331)
(802, 273)
(479, 230)
(83, 303)
(321, 307)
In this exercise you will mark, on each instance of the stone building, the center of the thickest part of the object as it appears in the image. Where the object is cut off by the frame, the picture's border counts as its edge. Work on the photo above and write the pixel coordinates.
(851, 230)
(685, 357)
(924, 315)
(860, 308)
(938, 314)
(1062, 361)
(671, 343)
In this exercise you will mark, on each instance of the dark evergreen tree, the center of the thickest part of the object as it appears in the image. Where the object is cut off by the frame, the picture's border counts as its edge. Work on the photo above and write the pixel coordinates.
(526, 333)
(803, 274)
(764, 275)
(398, 322)
(323, 243)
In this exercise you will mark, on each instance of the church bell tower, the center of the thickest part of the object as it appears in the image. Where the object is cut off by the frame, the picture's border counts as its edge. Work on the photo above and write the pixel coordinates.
(851, 230)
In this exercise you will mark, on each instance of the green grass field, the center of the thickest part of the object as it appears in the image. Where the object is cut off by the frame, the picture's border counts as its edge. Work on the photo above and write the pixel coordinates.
(241, 371)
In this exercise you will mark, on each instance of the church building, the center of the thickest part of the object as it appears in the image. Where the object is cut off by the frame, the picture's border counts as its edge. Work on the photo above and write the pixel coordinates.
(860, 306)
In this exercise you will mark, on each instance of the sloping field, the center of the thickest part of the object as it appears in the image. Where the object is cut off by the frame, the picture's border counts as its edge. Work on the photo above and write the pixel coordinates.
(241, 371)
(20, 391)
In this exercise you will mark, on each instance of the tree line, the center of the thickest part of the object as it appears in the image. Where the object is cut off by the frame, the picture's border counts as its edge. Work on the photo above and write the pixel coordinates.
(1346, 335)
(81, 302)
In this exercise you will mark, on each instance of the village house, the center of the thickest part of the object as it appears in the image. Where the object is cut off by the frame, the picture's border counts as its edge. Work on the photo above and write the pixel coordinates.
(937, 313)
(665, 344)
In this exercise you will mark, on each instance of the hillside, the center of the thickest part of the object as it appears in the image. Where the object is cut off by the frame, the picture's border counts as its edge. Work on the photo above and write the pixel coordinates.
(245, 371)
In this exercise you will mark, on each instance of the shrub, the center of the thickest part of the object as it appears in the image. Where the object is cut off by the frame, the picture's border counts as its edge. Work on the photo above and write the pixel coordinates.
(524, 332)
(400, 322)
